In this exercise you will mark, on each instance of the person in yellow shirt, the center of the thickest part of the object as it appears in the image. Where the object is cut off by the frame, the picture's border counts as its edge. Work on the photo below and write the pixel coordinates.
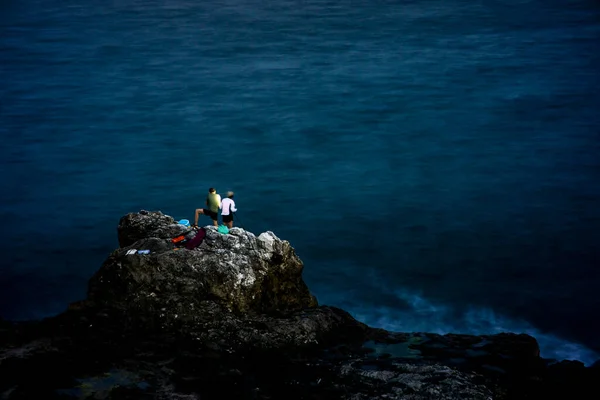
(213, 203)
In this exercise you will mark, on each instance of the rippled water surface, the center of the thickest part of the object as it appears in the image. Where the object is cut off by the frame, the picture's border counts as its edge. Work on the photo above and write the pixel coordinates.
(434, 163)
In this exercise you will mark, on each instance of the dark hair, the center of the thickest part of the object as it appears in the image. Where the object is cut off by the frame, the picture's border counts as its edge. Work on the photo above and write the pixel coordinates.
(211, 190)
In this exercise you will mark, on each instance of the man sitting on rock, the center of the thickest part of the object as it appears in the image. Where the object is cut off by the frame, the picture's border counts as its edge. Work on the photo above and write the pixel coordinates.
(213, 202)
(227, 210)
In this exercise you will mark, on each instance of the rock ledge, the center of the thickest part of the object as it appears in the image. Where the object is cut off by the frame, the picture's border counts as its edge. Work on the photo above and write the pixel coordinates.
(233, 318)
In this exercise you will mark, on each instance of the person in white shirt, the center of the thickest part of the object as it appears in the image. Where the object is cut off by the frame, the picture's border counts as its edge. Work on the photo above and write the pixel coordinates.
(227, 210)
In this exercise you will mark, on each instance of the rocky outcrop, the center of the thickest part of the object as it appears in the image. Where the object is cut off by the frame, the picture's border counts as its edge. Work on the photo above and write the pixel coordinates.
(233, 318)
(239, 271)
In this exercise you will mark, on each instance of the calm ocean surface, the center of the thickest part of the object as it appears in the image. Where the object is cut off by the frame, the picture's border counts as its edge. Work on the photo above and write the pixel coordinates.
(436, 164)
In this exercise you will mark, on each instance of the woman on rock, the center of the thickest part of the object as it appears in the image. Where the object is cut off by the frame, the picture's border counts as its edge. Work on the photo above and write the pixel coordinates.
(227, 210)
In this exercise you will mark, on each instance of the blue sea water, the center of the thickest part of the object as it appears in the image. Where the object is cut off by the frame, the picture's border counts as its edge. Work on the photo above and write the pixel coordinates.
(434, 163)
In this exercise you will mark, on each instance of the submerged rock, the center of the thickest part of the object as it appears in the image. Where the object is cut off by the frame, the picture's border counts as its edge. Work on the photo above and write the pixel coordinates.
(233, 318)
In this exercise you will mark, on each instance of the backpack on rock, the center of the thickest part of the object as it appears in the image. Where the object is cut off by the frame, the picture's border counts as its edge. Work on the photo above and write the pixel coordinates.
(196, 240)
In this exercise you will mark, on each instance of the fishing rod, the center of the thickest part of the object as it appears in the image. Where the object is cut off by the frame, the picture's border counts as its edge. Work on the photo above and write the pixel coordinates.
(235, 216)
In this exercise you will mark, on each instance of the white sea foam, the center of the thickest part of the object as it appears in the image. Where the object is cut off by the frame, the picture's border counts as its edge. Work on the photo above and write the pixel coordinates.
(422, 315)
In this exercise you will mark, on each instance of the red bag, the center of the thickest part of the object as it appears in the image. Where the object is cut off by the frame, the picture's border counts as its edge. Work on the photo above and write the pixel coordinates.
(178, 239)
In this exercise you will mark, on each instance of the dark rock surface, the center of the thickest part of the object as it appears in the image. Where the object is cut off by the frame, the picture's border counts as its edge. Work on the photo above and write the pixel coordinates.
(233, 319)
(240, 271)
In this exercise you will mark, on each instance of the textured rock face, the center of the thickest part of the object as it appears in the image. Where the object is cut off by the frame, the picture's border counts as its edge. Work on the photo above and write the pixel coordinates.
(240, 271)
(136, 226)
(234, 319)
(411, 381)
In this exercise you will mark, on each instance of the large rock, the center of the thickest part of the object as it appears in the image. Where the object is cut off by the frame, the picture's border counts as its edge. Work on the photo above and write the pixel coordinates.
(238, 270)
(234, 319)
